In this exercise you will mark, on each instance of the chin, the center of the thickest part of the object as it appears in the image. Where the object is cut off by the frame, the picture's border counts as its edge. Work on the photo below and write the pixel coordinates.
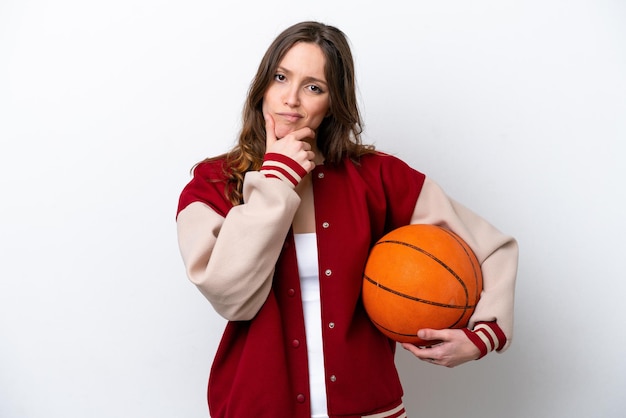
(283, 131)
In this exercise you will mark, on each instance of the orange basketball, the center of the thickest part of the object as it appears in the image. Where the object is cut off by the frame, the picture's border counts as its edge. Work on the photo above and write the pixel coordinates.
(420, 276)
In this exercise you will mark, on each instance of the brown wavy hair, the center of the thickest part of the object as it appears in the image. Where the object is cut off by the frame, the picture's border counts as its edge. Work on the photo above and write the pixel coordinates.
(339, 134)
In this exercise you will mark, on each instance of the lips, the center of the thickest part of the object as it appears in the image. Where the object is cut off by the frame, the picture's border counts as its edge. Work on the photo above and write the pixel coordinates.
(290, 117)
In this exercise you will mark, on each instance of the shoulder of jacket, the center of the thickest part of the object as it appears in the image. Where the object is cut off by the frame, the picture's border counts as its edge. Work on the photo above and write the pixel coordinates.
(211, 169)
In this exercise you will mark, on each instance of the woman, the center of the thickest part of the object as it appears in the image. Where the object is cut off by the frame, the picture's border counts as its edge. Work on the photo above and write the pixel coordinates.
(276, 234)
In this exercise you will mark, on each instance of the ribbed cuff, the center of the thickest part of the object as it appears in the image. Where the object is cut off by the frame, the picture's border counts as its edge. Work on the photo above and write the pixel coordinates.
(282, 167)
(487, 336)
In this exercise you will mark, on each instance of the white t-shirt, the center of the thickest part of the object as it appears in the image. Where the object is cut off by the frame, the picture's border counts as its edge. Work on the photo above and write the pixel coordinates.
(306, 251)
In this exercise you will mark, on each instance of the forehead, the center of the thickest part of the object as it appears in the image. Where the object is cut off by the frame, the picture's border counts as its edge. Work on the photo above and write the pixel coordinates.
(306, 59)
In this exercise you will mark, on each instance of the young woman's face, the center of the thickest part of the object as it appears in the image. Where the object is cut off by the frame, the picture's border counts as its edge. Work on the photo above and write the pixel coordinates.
(298, 96)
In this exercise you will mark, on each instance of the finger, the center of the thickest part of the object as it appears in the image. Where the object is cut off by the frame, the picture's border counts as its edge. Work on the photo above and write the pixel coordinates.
(431, 334)
(425, 354)
(412, 348)
(303, 134)
(270, 134)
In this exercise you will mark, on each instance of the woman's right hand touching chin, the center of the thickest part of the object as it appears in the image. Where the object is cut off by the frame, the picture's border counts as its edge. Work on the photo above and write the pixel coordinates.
(294, 145)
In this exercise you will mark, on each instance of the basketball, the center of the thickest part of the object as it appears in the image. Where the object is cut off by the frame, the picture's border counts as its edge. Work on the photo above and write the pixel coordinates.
(420, 276)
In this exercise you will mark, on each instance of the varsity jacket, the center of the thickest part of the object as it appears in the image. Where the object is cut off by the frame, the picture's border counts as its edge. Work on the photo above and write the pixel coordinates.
(243, 260)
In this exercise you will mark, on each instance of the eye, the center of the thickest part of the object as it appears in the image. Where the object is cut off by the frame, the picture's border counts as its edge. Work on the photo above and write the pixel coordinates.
(279, 77)
(315, 89)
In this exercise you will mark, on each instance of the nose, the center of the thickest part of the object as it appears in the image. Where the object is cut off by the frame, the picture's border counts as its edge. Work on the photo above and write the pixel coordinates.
(292, 96)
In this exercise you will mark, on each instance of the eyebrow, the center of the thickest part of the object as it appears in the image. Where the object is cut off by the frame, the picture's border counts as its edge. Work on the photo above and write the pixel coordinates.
(309, 78)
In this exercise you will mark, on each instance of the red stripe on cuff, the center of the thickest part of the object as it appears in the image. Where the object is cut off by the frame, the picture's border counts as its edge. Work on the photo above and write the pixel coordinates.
(483, 331)
(273, 156)
(499, 334)
(477, 342)
(281, 170)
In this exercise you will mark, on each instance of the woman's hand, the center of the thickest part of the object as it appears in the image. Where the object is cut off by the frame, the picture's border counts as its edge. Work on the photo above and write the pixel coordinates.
(294, 145)
(454, 347)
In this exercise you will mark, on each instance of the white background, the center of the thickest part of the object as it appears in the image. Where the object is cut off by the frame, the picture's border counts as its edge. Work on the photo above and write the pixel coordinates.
(517, 108)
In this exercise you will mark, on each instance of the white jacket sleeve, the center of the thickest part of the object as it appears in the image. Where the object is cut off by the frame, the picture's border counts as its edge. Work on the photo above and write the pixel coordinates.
(497, 253)
(231, 260)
